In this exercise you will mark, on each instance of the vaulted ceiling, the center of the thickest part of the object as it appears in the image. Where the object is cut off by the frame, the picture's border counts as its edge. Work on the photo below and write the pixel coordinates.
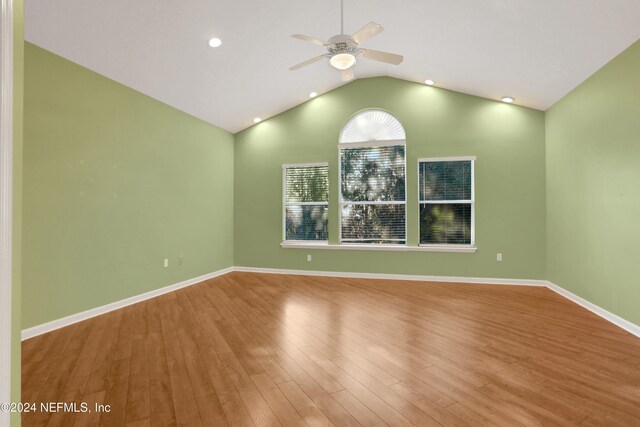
(533, 50)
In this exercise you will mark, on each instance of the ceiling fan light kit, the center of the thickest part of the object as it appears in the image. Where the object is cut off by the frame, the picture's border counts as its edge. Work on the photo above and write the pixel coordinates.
(344, 50)
(342, 61)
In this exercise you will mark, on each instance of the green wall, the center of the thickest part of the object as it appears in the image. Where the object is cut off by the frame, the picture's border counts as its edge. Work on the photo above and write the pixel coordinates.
(114, 182)
(510, 179)
(593, 188)
(16, 286)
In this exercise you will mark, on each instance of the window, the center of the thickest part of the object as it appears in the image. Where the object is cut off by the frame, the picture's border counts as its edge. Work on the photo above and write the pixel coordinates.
(306, 202)
(372, 180)
(446, 201)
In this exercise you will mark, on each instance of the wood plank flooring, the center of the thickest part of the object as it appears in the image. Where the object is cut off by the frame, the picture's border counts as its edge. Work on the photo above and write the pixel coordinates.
(250, 349)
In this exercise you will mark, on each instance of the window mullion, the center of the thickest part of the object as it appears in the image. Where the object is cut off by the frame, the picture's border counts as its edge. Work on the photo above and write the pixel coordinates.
(446, 202)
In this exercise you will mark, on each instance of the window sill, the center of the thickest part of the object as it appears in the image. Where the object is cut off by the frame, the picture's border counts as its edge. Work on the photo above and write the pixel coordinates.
(369, 247)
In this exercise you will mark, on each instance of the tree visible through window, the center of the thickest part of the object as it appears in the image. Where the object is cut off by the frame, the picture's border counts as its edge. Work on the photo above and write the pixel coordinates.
(372, 175)
(446, 201)
(306, 202)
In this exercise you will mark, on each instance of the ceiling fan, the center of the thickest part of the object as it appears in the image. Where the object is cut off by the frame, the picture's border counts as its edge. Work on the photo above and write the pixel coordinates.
(344, 50)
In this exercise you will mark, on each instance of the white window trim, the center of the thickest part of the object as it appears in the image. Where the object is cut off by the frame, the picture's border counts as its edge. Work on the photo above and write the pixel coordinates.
(341, 202)
(306, 244)
(375, 143)
(447, 159)
(449, 247)
(6, 203)
(284, 200)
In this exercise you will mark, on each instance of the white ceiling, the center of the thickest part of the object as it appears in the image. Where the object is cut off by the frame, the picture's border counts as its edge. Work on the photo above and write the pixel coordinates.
(533, 50)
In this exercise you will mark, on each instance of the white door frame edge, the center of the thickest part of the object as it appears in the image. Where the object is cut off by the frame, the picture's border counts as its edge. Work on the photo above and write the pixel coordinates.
(6, 201)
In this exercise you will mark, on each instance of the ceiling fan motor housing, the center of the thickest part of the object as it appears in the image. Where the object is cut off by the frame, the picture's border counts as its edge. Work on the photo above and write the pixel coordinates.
(343, 43)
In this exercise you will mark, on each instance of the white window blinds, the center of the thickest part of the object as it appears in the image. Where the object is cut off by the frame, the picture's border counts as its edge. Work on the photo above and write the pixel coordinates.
(373, 195)
(446, 201)
(372, 125)
(306, 202)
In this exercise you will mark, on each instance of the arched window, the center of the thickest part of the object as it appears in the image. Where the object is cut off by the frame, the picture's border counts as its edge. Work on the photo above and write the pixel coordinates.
(373, 180)
(372, 125)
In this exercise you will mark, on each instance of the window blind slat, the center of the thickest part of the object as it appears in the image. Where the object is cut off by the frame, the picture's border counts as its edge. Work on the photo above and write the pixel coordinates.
(445, 180)
(307, 184)
(306, 202)
(373, 173)
(373, 223)
(446, 202)
(373, 206)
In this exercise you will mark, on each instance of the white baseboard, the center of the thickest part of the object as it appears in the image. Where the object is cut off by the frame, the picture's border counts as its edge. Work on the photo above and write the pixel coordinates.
(84, 315)
(452, 279)
(78, 317)
(632, 328)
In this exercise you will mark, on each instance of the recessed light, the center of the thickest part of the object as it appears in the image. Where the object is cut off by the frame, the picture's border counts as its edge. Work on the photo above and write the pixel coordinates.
(313, 94)
(507, 99)
(429, 82)
(215, 42)
(257, 120)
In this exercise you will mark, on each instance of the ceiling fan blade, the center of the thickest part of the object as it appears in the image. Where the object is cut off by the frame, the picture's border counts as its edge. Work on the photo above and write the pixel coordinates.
(347, 74)
(307, 62)
(309, 39)
(376, 55)
(366, 32)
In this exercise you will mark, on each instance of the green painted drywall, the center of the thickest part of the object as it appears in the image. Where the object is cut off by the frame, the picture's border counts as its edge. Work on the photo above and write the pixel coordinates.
(114, 182)
(16, 286)
(510, 178)
(593, 187)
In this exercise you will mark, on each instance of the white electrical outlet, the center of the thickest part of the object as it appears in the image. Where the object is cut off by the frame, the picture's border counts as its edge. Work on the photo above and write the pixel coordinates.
(498, 256)
(166, 262)
(308, 258)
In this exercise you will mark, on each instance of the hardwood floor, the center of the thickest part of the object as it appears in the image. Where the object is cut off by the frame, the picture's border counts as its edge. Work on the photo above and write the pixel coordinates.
(250, 349)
